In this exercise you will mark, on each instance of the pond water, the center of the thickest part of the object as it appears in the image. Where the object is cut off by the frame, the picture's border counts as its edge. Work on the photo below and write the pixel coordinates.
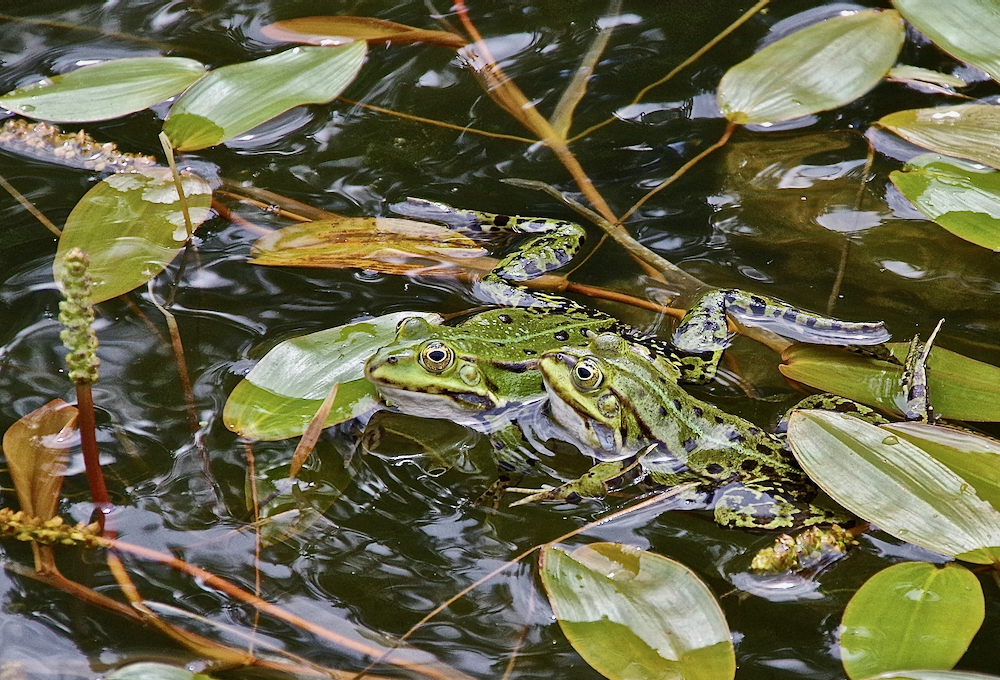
(388, 535)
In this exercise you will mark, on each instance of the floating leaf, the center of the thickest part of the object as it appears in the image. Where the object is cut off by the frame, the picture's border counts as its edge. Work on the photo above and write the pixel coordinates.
(820, 67)
(338, 30)
(911, 615)
(962, 197)
(284, 390)
(107, 90)
(961, 388)
(635, 614)
(895, 485)
(933, 675)
(917, 75)
(973, 457)
(965, 29)
(384, 244)
(131, 225)
(233, 99)
(967, 131)
(152, 670)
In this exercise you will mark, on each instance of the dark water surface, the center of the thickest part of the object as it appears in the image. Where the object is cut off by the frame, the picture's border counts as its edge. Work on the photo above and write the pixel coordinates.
(391, 537)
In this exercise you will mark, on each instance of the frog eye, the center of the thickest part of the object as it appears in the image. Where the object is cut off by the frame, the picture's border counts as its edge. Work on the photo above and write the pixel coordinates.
(587, 375)
(436, 356)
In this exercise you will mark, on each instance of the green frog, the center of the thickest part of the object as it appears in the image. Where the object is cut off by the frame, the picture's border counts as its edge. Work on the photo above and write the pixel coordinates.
(483, 369)
(615, 401)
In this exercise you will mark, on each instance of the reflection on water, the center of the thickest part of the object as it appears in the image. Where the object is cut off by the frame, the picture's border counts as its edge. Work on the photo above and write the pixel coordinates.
(371, 538)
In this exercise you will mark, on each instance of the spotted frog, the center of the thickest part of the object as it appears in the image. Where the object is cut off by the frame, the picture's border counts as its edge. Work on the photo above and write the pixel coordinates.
(484, 366)
(612, 399)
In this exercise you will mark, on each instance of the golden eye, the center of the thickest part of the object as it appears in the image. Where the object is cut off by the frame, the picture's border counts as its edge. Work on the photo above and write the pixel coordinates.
(587, 375)
(436, 356)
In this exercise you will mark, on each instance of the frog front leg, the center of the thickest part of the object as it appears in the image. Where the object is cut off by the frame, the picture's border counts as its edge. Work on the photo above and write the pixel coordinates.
(703, 334)
(765, 505)
(514, 457)
(595, 483)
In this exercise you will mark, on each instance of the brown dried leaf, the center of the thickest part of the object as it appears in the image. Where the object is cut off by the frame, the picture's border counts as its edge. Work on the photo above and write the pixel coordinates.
(36, 449)
(383, 244)
(334, 30)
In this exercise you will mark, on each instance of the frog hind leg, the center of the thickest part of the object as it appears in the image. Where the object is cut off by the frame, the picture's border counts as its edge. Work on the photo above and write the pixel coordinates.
(750, 506)
(832, 402)
(703, 334)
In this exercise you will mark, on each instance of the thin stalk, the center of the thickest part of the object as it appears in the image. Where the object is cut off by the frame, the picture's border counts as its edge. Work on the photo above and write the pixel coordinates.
(29, 206)
(746, 16)
(91, 455)
(859, 200)
(182, 368)
(169, 151)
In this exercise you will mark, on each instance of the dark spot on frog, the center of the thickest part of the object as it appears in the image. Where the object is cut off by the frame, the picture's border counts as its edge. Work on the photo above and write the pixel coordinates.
(714, 469)
(561, 336)
(764, 449)
(501, 220)
(505, 318)
(749, 465)
(698, 413)
(663, 411)
(677, 404)
(690, 445)
(768, 471)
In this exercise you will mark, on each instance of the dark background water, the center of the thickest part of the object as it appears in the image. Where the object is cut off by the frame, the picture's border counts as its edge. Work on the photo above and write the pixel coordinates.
(771, 212)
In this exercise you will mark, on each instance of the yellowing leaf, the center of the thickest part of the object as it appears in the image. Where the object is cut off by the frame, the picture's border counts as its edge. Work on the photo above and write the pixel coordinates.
(967, 131)
(384, 244)
(334, 30)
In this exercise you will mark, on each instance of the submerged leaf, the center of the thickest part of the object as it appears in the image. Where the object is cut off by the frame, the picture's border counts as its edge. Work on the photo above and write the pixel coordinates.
(962, 197)
(925, 674)
(967, 131)
(107, 90)
(965, 29)
(233, 99)
(894, 485)
(820, 67)
(960, 388)
(282, 393)
(131, 226)
(338, 30)
(917, 75)
(634, 614)
(911, 615)
(383, 244)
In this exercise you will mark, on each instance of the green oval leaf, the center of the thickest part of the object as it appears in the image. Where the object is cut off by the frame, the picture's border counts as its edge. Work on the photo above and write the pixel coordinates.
(107, 90)
(962, 197)
(635, 614)
(960, 388)
(895, 485)
(933, 675)
(337, 30)
(820, 67)
(282, 393)
(973, 457)
(967, 131)
(965, 29)
(911, 615)
(233, 99)
(152, 670)
(131, 225)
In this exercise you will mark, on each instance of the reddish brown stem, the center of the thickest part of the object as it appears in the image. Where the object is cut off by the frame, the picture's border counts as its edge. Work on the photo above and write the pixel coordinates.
(91, 456)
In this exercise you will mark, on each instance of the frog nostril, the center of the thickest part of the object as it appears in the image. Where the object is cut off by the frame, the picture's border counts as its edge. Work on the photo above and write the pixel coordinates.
(392, 360)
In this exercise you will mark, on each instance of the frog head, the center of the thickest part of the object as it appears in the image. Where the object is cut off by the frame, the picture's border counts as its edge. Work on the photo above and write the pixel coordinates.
(581, 388)
(424, 372)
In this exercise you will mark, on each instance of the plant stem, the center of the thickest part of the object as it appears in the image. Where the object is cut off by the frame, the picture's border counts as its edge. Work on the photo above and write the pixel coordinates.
(91, 456)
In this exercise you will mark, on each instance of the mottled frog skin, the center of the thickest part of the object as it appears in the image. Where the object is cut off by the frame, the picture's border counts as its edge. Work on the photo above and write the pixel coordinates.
(488, 364)
(613, 399)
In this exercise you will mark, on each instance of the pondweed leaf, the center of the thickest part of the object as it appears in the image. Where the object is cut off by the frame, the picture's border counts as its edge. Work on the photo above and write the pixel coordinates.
(967, 130)
(284, 390)
(895, 485)
(339, 30)
(633, 614)
(965, 29)
(962, 197)
(961, 388)
(104, 91)
(911, 615)
(820, 67)
(384, 244)
(131, 225)
(234, 99)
